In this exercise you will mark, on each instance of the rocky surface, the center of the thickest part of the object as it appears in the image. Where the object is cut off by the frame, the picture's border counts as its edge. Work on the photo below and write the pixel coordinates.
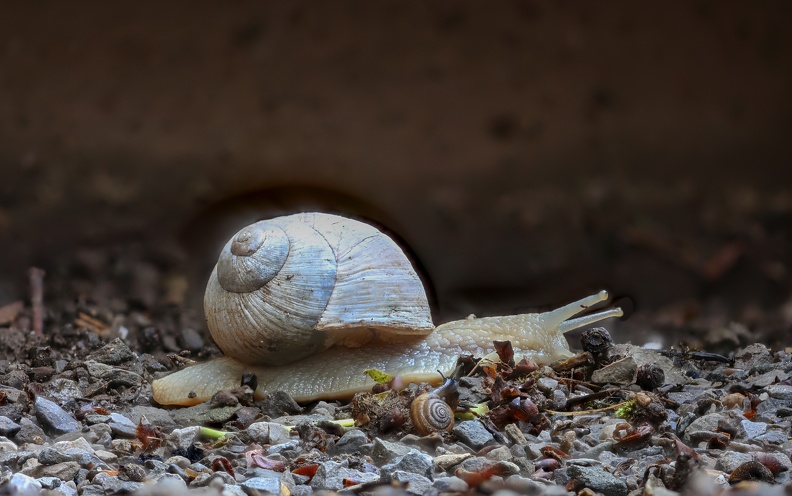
(76, 417)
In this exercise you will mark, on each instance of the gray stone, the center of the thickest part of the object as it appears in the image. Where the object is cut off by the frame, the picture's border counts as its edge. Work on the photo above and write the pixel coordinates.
(707, 422)
(350, 442)
(61, 390)
(92, 490)
(768, 378)
(473, 433)
(64, 471)
(751, 356)
(49, 482)
(514, 434)
(8, 427)
(113, 353)
(413, 483)
(29, 433)
(169, 484)
(183, 438)
(414, 462)
(331, 475)
(231, 490)
(280, 448)
(598, 479)
(122, 426)
(268, 433)
(753, 429)
(22, 485)
(51, 456)
(156, 416)
(204, 413)
(642, 356)
(263, 484)
(204, 480)
(524, 485)
(385, 451)
(13, 395)
(619, 372)
(450, 485)
(501, 453)
(779, 391)
(773, 436)
(730, 460)
(55, 418)
(546, 384)
(113, 375)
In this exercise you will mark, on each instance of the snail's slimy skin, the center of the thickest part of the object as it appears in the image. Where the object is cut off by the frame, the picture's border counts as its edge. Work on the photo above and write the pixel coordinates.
(338, 372)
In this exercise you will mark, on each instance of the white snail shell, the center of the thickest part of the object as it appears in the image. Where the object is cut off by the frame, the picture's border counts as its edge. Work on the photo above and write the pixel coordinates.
(287, 288)
(310, 301)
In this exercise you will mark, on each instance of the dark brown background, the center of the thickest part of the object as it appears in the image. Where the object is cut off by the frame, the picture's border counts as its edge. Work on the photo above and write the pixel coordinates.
(526, 152)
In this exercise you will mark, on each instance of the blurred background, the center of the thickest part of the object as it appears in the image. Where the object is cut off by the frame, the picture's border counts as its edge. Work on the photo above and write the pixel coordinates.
(525, 153)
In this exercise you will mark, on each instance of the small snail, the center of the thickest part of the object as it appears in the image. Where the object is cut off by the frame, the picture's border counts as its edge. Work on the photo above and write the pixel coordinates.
(434, 411)
(309, 301)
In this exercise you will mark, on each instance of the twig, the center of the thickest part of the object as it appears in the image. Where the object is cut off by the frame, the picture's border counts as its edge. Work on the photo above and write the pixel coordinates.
(37, 298)
(585, 412)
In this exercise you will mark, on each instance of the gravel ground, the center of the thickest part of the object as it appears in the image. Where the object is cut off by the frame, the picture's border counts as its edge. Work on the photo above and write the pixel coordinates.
(76, 415)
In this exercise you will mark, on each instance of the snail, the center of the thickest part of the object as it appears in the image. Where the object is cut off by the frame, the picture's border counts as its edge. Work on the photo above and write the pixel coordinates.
(434, 411)
(308, 302)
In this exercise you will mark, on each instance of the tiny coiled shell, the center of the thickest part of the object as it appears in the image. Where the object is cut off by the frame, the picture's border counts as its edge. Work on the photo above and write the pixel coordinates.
(308, 302)
(434, 411)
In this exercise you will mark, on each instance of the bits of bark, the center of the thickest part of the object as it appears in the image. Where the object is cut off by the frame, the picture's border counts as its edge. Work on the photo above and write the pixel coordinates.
(596, 340)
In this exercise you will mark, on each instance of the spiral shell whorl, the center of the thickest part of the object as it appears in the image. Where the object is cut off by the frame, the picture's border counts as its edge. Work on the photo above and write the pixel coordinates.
(252, 258)
(272, 322)
(430, 414)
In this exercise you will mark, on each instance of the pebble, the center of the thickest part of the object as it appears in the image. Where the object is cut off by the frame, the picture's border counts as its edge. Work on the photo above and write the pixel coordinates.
(753, 429)
(350, 442)
(64, 471)
(114, 375)
(8, 427)
(473, 433)
(61, 390)
(730, 460)
(413, 462)
(779, 391)
(331, 475)
(183, 438)
(598, 479)
(385, 451)
(122, 426)
(263, 484)
(268, 433)
(155, 416)
(619, 372)
(55, 418)
(113, 353)
(414, 483)
(450, 485)
(22, 485)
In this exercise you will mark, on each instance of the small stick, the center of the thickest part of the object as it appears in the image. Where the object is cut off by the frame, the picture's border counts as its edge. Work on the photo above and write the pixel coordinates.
(37, 298)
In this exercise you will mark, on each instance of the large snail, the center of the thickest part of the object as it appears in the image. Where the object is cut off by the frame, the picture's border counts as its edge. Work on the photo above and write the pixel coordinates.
(309, 301)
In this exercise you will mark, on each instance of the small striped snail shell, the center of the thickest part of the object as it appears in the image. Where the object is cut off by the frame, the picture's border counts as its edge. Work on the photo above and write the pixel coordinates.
(434, 411)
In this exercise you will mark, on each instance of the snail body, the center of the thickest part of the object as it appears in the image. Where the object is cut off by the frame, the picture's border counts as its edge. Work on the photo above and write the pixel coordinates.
(308, 302)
